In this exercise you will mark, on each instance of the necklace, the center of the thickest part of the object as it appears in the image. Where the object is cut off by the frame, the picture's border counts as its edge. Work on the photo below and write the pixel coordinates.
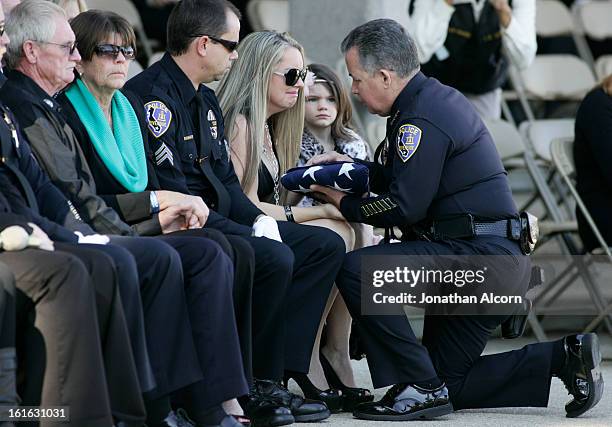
(268, 153)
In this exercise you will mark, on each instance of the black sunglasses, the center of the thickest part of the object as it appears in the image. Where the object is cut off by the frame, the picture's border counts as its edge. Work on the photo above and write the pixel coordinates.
(1, 29)
(113, 50)
(292, 75)
(228, 44)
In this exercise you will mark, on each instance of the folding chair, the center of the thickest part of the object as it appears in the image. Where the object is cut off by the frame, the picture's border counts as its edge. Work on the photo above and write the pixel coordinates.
(127, 10)
(268, 15)
(563, 160)
(513, 150)
(549, 78)
(554, 19)
(594, 18)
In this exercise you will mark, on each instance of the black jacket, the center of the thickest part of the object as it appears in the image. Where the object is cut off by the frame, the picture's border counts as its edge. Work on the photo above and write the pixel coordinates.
(184, 143)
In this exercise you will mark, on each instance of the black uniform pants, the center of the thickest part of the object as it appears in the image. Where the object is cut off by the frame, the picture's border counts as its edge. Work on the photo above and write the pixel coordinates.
(292, 283)
(58, 324)
(208, 280)
(452, 345)
(243, 260)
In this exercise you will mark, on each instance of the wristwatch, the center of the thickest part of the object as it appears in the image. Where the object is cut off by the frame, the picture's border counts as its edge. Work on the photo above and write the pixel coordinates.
(154, 202)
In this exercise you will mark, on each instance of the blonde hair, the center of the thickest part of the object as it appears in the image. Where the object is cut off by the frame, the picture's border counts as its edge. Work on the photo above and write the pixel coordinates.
(244, 91)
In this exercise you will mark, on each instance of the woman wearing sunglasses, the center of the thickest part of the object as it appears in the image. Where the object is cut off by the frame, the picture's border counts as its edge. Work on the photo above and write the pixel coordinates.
(262, 98)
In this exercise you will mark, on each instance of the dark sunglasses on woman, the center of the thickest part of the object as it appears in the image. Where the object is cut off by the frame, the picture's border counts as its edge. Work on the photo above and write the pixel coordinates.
(112, 51)
(292, 75)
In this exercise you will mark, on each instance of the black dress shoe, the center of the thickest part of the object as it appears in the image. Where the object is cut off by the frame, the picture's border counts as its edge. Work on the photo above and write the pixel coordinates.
(331, 397)
(264, 411)
(581, 374)
(351, 396)
(404, 402)
(303, 410)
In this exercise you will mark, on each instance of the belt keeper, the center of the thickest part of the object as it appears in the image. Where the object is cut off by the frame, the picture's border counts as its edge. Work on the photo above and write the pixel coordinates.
(289, 213)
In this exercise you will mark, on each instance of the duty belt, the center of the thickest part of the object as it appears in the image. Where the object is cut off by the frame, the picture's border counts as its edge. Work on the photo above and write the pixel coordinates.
(466, 227)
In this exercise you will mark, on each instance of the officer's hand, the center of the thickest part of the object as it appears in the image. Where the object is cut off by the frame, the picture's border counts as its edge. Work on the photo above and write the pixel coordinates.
(327, 194)
(607, 85)
(329, 157)
(39, 238)
(266, 226)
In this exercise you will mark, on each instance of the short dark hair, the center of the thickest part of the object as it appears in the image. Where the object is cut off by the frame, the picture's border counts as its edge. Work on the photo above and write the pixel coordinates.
(383, 43)
(94, 26)
(192, 17)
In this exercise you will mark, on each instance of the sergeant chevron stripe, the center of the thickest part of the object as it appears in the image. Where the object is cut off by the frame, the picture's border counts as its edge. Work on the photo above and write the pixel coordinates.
(163, 153)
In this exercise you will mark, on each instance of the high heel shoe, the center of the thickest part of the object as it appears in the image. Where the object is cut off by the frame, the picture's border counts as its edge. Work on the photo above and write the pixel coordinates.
(351, 396)
(331, 397)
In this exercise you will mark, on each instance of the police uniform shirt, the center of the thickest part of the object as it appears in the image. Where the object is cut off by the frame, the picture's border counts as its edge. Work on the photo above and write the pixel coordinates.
(439, 160)
(181, 149)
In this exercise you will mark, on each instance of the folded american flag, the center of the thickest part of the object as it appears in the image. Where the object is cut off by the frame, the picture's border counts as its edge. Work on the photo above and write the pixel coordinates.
(344, 176)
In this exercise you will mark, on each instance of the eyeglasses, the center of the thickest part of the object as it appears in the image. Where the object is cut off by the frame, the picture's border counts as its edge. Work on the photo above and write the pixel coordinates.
(69, 47)
(228, 44)
(1, 29)
(292, 75)
(112, 51)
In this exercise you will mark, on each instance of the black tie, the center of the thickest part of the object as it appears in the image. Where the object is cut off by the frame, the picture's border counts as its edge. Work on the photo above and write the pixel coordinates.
(9, 137)
(223, 198)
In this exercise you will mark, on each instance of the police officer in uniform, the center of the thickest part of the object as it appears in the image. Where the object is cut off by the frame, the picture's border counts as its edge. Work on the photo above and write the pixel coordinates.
(438, 165)
(293, 278)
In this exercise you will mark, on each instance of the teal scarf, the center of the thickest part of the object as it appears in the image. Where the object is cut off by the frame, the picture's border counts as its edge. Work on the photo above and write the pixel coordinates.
(122, 148)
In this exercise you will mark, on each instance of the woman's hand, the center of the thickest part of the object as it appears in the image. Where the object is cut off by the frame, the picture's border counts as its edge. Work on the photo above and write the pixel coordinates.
(332, 212)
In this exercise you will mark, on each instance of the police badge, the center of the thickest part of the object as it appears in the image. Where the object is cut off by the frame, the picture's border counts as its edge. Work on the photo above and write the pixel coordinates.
(408, 140)
(159, 117)
(212, 123)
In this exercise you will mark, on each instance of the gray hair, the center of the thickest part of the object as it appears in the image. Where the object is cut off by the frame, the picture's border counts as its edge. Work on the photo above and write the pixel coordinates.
(30, 20)
(383, 44)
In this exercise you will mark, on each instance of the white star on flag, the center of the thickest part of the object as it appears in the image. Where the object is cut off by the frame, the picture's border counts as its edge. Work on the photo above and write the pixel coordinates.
(311, 171)
(345, 169)
(337, 187)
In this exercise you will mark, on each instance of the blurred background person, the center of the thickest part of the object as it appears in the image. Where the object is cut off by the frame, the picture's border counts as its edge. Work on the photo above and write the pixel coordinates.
(461, 43)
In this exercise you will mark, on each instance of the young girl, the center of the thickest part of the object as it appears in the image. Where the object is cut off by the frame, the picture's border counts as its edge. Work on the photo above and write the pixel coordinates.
(328, 127)
(327, 121)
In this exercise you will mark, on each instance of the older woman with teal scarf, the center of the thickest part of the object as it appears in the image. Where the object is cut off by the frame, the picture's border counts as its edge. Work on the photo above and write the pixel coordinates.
(112, 134)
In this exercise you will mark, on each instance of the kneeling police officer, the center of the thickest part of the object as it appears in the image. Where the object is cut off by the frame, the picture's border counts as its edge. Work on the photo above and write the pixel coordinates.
(439, 162)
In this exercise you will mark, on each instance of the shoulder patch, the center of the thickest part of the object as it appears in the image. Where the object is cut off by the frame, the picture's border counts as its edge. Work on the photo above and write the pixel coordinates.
(408, 140)
(159, 117)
